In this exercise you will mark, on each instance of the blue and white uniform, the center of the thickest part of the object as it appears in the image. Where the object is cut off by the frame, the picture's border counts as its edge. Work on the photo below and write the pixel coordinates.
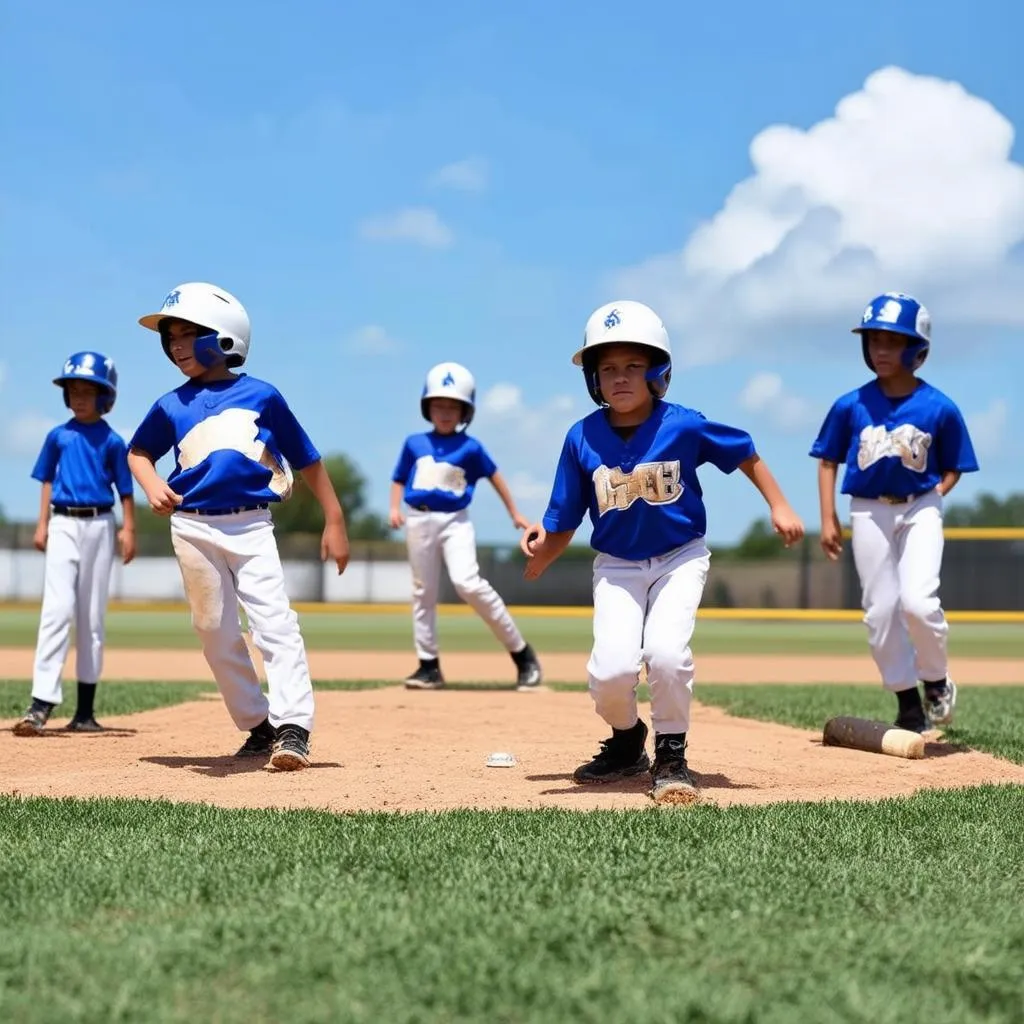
(645, 502)
(86, 465)
(439, 473)
(894, 452)
(235, 443)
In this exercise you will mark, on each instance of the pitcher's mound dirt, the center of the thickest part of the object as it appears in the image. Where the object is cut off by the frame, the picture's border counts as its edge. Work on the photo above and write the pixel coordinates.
(397, 750)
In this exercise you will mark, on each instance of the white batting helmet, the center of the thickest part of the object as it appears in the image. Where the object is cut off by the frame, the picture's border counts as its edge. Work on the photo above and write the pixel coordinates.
(450, 380)
(211, 307)
(632, 323)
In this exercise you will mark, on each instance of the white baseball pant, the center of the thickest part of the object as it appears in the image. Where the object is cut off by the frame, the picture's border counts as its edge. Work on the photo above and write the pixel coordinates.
(79, 557)
(644, 614)
(429, 537)
(230, 560)
(897, 550)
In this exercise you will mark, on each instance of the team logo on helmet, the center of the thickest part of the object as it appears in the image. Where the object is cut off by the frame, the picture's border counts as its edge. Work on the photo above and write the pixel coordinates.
(449, 380)
(613, 319)
(172, 299)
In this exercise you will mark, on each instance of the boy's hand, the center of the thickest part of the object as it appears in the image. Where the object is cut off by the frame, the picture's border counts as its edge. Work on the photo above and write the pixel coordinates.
(520, 522)
(334, 546)
(162, 498)
(395, 519)
(832, 538)
(531, 544)
(39, 538)
(126, 540)
(787, 524)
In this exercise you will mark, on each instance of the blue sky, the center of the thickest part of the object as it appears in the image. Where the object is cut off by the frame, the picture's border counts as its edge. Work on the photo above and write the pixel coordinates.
(388, 186)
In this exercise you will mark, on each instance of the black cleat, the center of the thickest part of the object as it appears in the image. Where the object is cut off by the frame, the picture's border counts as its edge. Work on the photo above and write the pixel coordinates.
(260, 742)
(291, 749)
(673, 783)
(84, 725)
(529, 675)
(426, 677)
(620, 757)
(35, 718)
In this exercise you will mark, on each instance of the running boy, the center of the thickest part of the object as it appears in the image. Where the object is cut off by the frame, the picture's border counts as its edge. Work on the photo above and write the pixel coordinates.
(235, 443)
(82, 462)
(633, 465)
(904, 445)
(437, 473)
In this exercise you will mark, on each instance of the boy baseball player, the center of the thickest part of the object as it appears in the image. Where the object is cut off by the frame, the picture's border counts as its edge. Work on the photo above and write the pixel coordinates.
(904, 445)
(436, 474)
(82, 461)
(235, 442)
(632, 465)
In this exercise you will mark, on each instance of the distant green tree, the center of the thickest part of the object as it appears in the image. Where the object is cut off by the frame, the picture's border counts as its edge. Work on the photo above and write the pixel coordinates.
(759, 542)
(988, 510)
(301, 513)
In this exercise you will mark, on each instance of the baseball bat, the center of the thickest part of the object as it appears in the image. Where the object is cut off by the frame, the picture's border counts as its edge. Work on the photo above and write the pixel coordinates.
(875, 737)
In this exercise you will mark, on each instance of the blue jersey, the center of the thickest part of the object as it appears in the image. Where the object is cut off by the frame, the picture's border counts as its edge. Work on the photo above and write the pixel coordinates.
(84, 462)
(895, 446)
(643, 494)
(230, 439)
(440, 471)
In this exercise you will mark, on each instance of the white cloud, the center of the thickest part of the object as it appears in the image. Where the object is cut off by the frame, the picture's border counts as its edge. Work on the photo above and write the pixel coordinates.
(908, 187)
(418, 224)
(766, 395)
(988, 428)
(371, 340)
(24, 434)
(464, 175)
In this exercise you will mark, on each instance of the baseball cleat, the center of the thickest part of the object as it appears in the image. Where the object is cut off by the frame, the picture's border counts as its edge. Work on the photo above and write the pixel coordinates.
(673, 783)
(425, 679)
(33, 721)
(291, 749)
(260, 742)
(939, 704)
(84, 725)
(620, 757)
(529, 676)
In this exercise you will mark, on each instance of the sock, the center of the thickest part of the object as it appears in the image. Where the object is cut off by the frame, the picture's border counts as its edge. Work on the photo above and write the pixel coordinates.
(666, 738)
(523, 657)
(910, 701)
(934, 689)
(86, 700)
(430, 663)
(42, 705)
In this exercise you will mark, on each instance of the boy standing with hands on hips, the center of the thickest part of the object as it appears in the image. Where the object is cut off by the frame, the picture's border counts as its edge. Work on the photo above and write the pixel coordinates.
(235, 442)
(904, 445)
(632, 465)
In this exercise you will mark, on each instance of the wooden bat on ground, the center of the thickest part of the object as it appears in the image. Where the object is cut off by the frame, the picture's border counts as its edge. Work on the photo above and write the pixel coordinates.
(876, 737)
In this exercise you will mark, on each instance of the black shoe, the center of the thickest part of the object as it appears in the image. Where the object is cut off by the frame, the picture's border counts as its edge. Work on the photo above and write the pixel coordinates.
(35, 718)
(673, 783)
(260, 741)
(620, 757)
(291, 749)
(84, 725)
(529, 675)
(426, 677)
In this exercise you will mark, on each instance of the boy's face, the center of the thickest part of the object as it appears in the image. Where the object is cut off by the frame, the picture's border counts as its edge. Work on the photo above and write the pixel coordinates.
(445, 414)
(621, 374)
(885, 350)
(82, 397)
(181, 338)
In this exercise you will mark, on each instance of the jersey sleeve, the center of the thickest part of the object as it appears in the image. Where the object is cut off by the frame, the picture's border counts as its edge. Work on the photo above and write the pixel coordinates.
(833, 441)
(486, 467)
(120, 474)
(45, 469)
(155, 434)
(292, 440)
(569, 493)
(403, 467)
(956, 452)
(723, 446)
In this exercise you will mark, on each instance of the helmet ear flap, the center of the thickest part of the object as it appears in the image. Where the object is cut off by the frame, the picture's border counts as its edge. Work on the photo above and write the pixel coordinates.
(590, 377)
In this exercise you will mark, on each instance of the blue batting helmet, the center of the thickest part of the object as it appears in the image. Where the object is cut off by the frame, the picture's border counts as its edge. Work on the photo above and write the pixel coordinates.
(902, 314)
(95, 368)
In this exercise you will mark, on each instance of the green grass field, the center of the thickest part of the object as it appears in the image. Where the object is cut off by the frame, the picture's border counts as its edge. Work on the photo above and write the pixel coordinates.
(899, 910)
(392, 631)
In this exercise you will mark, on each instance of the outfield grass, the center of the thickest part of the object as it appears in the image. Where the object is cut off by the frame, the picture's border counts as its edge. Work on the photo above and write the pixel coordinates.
(902, 910)
(392, 631)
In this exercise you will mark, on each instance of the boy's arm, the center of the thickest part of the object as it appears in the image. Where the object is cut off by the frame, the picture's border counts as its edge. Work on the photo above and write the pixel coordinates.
(949, 480)
(162, 498)
(395, 517)
(126, 535)
(498, 481)
(334, 542)
(542, 548)
(43, 526)
(831, 530)
(784, 520)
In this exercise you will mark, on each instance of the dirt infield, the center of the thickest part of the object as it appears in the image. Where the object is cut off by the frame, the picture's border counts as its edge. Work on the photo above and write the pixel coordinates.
(396, 750)
(123, 663)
